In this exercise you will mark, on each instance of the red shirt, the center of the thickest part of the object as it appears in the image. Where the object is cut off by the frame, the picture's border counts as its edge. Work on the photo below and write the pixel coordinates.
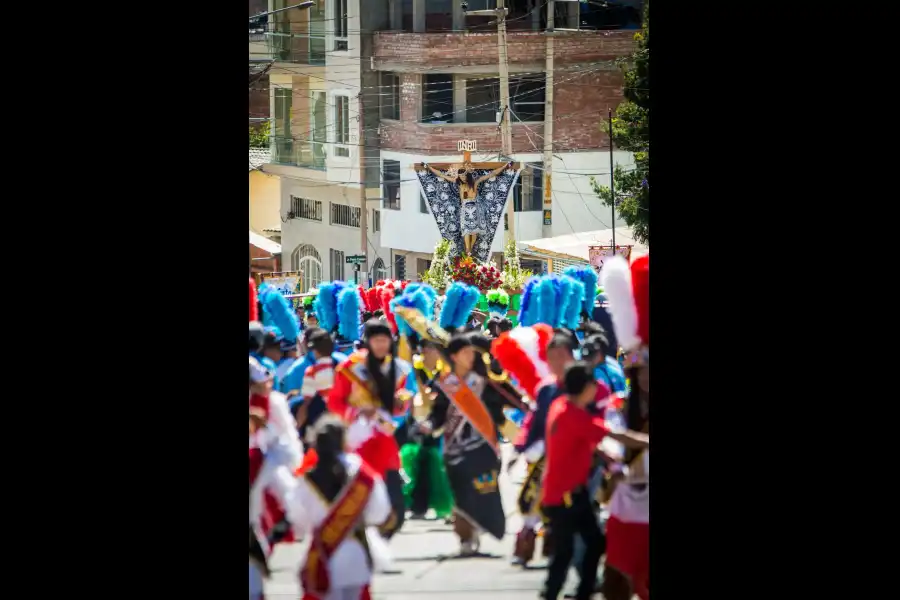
(572, 436)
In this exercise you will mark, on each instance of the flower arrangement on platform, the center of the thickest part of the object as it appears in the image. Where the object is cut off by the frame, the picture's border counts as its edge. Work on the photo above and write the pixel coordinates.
(437, 275)
(485, 277)
(464, 269)
(489, 277)
(514, 277)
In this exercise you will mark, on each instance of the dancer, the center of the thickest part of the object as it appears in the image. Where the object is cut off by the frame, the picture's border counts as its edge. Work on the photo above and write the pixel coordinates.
(310, 403)
(280, 347)
(292, 385)
(427, 485)
(290, 353)
(572, 437)
(342, 500)
(372, 390)
(559, 357)
(274, 446)
(628, 529)
(469, 416)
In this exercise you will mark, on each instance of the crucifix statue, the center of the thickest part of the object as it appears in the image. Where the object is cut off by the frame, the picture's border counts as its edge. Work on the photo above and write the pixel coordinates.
(467, 200)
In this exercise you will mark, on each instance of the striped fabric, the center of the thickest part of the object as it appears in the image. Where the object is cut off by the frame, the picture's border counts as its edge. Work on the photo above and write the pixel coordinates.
(318, 379)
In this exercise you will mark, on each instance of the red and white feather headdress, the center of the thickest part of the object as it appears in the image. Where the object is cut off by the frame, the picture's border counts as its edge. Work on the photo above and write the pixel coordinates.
(254, 307)
(628, 291)
(522, 352)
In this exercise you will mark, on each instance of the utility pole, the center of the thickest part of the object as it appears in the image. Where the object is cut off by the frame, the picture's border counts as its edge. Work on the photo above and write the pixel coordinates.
(363, 210)
(505, 125)
(548, 122)
(612, 183)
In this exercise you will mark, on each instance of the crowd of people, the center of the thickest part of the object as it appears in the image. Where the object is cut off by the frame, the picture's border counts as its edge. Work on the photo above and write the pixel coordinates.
(368, 407)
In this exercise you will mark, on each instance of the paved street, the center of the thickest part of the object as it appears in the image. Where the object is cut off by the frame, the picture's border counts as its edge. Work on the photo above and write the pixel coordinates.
(421, 552)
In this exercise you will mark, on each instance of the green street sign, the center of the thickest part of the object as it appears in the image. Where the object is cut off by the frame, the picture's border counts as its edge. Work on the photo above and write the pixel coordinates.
(355, 259)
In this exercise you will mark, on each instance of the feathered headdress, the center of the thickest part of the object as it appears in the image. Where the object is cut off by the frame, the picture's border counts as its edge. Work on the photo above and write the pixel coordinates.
(461, 299)
(628, 292)
(571, 310)
(386, 293)
(588, 277)
(254, 309)
(325, 304)
(528, 307)
(498, 302)
(523, 353)
(549, 296)
(308, 300)
(349, 321)
(416, 295)
(280, 313)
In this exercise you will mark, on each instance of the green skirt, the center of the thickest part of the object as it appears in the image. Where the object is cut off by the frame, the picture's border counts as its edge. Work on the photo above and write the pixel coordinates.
(440, 497)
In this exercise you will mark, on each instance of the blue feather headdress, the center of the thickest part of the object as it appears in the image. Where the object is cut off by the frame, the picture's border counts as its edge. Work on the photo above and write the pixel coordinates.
(325, 305)
(528, 308)
(278, 311)
(349, 320)
(419, 299)
(572, 311)
(549, 295)
(460, 300)
(588, 277)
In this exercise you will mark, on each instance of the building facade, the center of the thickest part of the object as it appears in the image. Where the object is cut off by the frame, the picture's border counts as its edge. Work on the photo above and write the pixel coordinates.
(359, 96)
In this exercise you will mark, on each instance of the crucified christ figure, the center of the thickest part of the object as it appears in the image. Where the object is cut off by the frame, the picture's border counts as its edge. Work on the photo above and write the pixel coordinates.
(473, 220)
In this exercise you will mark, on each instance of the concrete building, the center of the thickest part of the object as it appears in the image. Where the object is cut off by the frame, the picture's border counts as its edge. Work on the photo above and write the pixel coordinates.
(318, 70)
(359, 96)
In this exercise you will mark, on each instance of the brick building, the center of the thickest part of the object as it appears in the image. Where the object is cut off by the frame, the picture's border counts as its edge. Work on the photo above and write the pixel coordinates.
(419, 76)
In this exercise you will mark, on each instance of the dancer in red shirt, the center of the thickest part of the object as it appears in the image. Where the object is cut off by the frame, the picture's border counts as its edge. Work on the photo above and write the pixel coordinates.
(572, 435)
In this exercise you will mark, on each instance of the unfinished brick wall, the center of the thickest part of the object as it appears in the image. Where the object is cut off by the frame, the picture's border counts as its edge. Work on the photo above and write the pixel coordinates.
(581, 102)
(433, 50)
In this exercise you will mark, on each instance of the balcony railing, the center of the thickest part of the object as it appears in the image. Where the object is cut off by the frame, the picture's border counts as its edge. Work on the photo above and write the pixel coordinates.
(298, 153)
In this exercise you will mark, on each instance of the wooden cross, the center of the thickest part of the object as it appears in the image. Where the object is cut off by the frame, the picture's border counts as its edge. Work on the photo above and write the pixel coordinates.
(467, 159)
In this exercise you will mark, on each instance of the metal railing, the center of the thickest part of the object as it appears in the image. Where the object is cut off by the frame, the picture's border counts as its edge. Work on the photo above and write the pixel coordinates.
(298, 153)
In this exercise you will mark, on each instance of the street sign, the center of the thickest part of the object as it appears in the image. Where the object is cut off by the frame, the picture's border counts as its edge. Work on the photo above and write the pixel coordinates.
(355, 259)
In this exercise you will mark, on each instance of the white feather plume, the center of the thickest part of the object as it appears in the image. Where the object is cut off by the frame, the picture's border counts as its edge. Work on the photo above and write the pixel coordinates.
(616, 281)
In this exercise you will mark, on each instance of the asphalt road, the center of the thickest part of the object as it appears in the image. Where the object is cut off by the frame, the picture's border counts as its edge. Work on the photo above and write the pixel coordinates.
(424, 556)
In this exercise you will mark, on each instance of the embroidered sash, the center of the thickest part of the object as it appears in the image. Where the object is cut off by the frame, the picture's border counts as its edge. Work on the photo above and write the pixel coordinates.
(340, 522)
(529, 498)
(473, 409)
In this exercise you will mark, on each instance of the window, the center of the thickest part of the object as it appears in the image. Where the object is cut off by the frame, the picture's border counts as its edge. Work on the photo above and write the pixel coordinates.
(526, 97)
(379, 273)
(341, 125)
(389, 93)
(304, 208)
(422, 266)
(337, 265)
(340, 25)
(437, 98)
(528, 193)
(317, 21)
(341, 214)
(376, 220)
(390, 173)
(305, 259)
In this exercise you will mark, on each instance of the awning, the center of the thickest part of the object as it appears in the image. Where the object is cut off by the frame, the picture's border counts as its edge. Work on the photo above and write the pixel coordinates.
(264, 243)
(575, 245)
